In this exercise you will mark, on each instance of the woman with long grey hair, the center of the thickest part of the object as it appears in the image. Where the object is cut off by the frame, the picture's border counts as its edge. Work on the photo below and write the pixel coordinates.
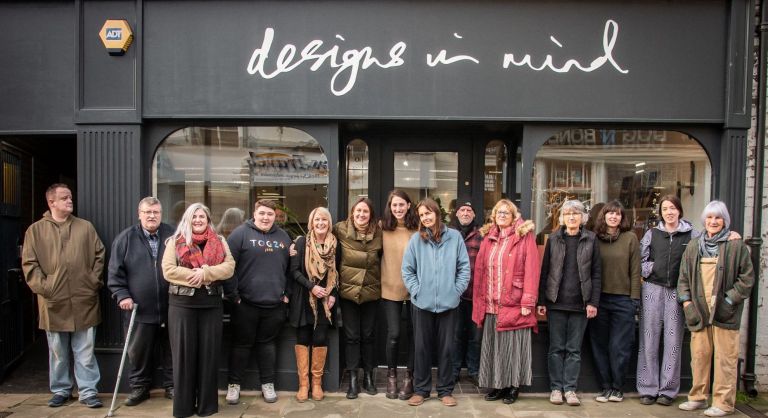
(716, 277)
(195, 262)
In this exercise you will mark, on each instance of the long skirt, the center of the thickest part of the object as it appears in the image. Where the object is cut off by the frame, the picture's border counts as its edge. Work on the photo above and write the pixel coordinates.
(505, 357)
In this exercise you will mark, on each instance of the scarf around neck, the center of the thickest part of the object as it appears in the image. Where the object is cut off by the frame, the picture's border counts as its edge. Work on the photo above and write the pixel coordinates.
(709, 247)
(191, 256)
(320, 263)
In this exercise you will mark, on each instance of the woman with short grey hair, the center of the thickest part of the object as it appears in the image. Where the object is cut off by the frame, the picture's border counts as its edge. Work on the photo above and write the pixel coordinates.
(716, 277)
(569, 294)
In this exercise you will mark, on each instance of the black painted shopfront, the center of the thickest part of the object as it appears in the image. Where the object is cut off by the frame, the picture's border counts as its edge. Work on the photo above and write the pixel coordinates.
(318, 103)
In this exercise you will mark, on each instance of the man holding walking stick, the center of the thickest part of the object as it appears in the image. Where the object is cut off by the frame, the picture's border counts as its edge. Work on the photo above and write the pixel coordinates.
(62, 260)
(136, 277)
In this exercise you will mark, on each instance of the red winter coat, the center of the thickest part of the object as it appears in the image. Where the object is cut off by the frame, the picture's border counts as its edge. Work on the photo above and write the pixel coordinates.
(520, 279)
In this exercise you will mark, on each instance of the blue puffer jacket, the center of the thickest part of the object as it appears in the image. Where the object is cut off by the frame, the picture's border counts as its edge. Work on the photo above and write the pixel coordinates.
(436, 273)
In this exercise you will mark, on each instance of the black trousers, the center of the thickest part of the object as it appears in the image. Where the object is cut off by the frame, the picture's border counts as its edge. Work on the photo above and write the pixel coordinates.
(149, 348)
(434, 333)
(395, 312)
(254, 327)
(195, 335)
(359, 323)
(312, 336)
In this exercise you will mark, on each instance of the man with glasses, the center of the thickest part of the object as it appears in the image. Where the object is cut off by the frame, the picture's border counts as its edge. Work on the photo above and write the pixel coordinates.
(136, 277)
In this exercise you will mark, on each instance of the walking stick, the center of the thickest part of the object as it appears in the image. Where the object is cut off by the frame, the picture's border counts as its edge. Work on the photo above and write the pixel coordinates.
(111, 412)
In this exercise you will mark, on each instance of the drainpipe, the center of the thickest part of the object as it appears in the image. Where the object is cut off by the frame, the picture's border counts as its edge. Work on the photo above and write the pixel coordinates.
(755, 242)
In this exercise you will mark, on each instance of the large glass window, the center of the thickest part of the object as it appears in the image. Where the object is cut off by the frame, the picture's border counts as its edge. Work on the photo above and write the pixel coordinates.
(494, 176)
(428, 174)
(636, 167)
(230, 168)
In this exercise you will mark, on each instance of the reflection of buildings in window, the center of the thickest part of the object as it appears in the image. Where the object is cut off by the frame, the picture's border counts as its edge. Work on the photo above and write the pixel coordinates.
(636, 167)
(357, 171)
(232, 167)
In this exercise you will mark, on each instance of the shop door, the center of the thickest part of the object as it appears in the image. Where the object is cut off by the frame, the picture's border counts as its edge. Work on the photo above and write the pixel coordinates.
(436, 167)
(16, 301)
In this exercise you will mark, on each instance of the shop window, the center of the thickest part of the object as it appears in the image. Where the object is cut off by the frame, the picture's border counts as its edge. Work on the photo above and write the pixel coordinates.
(636, 167)
(431, 175)
(357, 171)
(495, 175)
(230, 168)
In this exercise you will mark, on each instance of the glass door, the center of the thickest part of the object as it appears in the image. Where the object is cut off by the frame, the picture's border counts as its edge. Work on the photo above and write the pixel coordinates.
(438, 168)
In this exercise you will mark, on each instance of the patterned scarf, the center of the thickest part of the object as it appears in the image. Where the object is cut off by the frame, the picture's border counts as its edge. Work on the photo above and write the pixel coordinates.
(709, 247)
(190, 256)
(320, 263)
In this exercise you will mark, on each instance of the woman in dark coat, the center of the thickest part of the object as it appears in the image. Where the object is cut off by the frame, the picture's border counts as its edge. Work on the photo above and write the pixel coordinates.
(313, 299)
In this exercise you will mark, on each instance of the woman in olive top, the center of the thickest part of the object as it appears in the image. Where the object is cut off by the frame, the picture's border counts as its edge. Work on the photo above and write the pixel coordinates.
(612, 331)
(398, 224)
(359, 240)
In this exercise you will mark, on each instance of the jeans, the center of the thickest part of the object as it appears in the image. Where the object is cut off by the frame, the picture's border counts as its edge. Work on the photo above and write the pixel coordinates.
(566, 332)
(467, 341)
(359, 323)
(259, 327)
(86, 368)
(612, 334)
(395, 312)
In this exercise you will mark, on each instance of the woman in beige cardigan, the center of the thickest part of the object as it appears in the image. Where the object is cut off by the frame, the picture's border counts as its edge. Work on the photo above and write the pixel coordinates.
(195, 262)
(399, 222)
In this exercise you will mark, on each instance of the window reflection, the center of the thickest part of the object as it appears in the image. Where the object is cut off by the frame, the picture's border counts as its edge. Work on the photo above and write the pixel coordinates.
(495, 175)
(229, 168)
(428, 174)
(357, 171)
(634, 166)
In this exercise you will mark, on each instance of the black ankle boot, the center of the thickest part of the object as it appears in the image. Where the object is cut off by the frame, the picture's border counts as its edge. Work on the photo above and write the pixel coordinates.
(369, 385)
(354, 389)
(511, 395)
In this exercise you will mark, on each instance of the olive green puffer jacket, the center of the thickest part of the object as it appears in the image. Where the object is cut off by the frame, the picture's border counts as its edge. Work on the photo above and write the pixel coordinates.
(360, 264)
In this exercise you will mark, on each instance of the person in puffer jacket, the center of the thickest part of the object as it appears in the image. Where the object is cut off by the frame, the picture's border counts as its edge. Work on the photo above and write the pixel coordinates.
(436, 273)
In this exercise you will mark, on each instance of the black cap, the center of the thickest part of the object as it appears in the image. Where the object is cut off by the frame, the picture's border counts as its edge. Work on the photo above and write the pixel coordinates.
(463, 201)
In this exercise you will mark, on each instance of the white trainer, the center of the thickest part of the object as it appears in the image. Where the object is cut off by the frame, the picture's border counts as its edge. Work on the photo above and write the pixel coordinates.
(268, 391)
(233, 394)
(556, 397)
(571, 398)
(716, 412)
(692, 405)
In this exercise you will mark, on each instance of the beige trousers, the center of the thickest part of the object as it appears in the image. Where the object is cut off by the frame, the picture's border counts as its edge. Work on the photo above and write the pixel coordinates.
(724, 344)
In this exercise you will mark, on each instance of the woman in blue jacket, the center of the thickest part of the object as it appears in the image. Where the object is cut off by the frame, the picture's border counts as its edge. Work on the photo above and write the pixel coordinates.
(436, 273)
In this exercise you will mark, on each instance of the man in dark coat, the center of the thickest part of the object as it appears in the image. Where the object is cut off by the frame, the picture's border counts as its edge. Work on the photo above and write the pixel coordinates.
(136, 278)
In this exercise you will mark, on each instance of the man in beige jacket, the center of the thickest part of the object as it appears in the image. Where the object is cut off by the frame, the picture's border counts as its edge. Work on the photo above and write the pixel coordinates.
(62, 260)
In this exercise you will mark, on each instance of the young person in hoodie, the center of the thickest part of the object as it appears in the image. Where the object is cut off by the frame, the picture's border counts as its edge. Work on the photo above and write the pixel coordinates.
(661, 251)
(468, 335)
(258, 290)
(612, 331)
(436, 273)
(506, 288)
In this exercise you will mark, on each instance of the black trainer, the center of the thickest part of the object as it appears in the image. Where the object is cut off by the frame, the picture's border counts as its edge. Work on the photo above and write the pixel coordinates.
(137, 396)
(664, 400)
(92, 402)
(617, 396)
(603, 395)
(647, 400)
(496, 394)
(58, 400)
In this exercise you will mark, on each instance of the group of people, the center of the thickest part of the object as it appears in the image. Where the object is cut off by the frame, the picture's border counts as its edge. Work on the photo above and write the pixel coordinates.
(466, 292)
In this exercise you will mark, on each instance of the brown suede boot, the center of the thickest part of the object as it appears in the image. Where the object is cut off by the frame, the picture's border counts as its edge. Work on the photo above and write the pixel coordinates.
(407, 390)
(302, 368)
(318, 367)
(392, 384)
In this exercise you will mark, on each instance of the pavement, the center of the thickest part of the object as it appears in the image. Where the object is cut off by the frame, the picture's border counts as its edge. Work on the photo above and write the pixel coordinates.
(335, 405)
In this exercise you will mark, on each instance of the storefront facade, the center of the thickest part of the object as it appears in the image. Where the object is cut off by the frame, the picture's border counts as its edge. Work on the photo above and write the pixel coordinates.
(320, 103)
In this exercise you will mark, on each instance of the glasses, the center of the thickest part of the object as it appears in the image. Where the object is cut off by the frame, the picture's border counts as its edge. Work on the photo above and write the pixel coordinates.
(151, 212)
(568, 214)
(503, 213)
